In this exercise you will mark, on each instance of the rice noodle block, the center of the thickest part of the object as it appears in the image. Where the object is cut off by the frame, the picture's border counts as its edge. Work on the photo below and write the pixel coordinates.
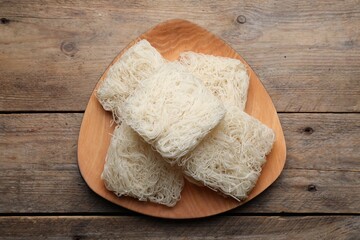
(172, 110)
(133, 168)
(137, 63)
(226, 78)
(230, 158)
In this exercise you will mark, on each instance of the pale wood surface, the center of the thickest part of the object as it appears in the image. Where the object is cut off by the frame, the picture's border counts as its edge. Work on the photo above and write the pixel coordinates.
(52, 53)
(170, 39)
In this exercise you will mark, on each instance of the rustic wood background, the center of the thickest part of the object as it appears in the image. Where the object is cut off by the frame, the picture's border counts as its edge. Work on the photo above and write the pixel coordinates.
(307, 54)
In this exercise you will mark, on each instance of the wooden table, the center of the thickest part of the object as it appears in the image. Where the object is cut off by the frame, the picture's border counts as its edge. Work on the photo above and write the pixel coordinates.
(307, 54)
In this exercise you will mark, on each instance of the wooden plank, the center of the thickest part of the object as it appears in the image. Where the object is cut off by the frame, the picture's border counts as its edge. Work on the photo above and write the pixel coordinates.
(305, 53)
(247, 227)
(322, 141)
(306, 191)
(39, 171)
(296, 191)
(314, 141)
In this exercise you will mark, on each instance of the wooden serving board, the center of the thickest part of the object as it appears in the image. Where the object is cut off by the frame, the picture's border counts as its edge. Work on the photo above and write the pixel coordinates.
(170, 39)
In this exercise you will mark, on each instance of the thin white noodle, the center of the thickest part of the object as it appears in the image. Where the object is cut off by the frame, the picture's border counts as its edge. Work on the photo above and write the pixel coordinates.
(136, 64)
(226, 78)
(133, 169)
(230, 158)
(172, 110)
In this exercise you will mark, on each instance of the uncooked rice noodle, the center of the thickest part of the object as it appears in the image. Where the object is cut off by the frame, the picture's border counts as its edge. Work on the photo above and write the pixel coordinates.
(172, 110)
(133, 169)
(230, 158)
(136, 64)
(226, 78)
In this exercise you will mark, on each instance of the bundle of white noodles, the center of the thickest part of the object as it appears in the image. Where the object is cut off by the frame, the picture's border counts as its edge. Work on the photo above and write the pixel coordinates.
(230, 158)
(179, 109)
(226, 78)
(172, 110)
(133, 169)
(137, 63)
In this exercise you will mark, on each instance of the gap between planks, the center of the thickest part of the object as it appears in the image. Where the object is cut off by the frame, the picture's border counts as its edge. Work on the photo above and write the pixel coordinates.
(131, 213)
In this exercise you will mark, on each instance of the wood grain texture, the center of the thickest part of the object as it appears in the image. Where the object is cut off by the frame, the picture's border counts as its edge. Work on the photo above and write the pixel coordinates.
(53, 52)
(261, 227)
(39, 172)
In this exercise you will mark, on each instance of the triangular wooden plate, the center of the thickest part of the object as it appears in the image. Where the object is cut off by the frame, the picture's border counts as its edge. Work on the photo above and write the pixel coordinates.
(170, 39)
